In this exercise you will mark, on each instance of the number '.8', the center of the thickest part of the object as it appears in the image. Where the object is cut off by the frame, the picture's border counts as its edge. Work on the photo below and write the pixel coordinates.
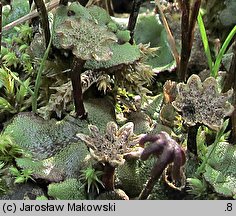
(229, 206)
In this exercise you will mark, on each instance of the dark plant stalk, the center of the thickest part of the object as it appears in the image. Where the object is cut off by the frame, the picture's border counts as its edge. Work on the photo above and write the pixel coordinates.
(76, 71)
(108, 178)
(39, 74)
(156, 172)
(233, 116)
(193, 20)
(63, 2)
(44, 16)
(148, 189)
(0, 31)
(133, 18)
(109, 7)
(182, 70)
(192, 139)
(170, 36)
(230, 82)
(188, 21)
(30, 3)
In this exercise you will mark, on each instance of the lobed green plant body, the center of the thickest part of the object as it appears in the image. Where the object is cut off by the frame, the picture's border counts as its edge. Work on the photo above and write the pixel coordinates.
(132, 175)
(124, 54)
(219, 170)
(54, 151)
(39, 137)
(70, 189)
(123, 36)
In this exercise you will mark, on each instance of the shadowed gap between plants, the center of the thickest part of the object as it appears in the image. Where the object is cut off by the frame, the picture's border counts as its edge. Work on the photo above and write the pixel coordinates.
(230, 82)
(0, 31)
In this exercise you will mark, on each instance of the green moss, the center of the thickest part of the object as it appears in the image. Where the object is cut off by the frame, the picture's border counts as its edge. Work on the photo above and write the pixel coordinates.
(112, 26)
(130, 178)
(142, 122)
(78, 11)
(65, 164)
(122, 54)
(100, 112)
(71, 159)
(99, 14)
(116, 194)
(70, 189)
(41, 198)
(123, 36)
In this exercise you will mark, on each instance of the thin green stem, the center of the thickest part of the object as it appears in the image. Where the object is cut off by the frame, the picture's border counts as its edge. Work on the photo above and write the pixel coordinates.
(219, 134)
(201, 168)
(205, 40)
(222, 51)
(40, 71)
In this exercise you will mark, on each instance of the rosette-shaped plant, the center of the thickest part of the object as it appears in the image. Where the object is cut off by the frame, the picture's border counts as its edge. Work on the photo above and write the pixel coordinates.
(85, 38)
(201, 102)
(77, 30)
(110, 148)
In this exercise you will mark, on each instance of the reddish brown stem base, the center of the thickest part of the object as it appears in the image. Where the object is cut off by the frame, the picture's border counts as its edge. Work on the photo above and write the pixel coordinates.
(77, 88)
(108, 177)
(188, 20)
